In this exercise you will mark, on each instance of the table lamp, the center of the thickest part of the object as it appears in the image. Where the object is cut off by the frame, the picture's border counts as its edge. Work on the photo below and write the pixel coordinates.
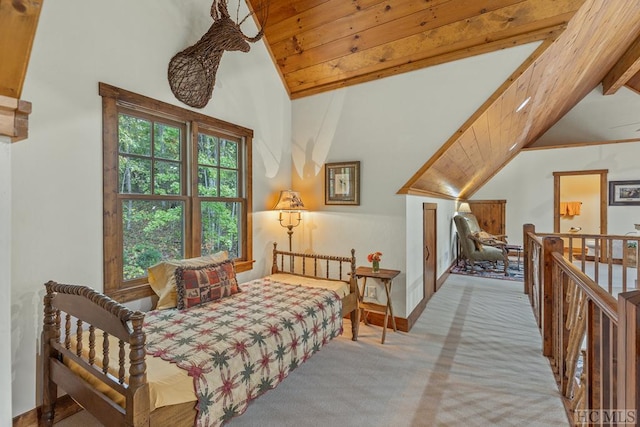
(289, 204)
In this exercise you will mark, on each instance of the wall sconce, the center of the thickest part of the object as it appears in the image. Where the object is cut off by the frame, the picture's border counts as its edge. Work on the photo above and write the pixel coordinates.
(464, 208)
(289, 204)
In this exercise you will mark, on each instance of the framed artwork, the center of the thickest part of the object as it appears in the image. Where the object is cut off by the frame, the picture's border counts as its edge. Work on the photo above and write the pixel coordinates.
(624, 193)
(342, 183)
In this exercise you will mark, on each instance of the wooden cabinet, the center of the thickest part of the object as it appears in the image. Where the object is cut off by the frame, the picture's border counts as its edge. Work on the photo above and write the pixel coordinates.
(490, 215)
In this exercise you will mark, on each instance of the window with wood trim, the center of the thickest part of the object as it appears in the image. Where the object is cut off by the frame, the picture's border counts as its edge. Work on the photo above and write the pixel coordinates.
(177, 184)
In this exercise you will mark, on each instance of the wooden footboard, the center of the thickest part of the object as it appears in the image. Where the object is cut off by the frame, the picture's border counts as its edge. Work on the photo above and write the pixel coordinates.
(69, 312)
(326, 267)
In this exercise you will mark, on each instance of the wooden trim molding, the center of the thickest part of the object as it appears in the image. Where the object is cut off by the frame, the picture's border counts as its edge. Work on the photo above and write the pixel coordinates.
(405, 325)
(65, 407)
(14, 118)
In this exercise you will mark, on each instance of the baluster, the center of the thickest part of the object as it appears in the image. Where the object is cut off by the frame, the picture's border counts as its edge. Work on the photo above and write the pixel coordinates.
(79, 338)
(577, 326)
(304, 264)
(58, 320)
(92, 344)
(67, 331)
(105, 352)
(327, 269)
(121, 371)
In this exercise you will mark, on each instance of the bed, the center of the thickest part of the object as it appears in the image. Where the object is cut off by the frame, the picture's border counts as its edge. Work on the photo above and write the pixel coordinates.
(95, 349)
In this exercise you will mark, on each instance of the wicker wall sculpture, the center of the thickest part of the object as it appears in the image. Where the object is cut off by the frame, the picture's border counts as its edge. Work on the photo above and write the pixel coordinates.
(192, 72)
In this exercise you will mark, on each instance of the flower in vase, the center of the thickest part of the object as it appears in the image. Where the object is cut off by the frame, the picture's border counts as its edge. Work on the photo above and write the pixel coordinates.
(374, 256)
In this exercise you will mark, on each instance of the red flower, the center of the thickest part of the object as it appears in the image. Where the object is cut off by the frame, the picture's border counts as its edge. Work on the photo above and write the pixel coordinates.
(374, 256)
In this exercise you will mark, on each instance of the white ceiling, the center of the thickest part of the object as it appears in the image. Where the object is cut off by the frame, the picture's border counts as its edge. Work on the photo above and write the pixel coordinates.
(597, 118)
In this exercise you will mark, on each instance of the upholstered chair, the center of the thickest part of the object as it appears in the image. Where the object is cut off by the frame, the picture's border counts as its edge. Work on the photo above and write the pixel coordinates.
(474, 248)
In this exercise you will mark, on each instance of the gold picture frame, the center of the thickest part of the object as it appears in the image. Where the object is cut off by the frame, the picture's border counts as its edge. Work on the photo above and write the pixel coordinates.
(342, 183)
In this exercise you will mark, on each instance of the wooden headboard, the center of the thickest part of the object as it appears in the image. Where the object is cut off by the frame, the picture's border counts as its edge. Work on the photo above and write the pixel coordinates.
(314, 265)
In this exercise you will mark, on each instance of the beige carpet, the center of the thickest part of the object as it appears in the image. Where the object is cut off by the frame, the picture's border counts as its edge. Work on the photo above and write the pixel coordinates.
(472, 359)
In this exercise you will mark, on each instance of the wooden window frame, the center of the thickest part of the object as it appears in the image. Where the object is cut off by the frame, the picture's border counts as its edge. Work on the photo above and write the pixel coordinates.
(113, 101)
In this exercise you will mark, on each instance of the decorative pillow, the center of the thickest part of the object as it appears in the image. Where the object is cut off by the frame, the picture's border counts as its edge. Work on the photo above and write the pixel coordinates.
(163, 280)
(484, 238)
(198, 285)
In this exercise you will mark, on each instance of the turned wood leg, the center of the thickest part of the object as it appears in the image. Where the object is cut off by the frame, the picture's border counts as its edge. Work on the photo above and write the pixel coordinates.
(48, 404)
(355, 323)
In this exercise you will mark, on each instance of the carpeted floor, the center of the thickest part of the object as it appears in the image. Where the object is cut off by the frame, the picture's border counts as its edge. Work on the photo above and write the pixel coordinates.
(472, 359)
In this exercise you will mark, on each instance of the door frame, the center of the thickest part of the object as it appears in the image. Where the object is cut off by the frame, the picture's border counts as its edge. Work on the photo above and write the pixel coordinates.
(426, 292)
(603, 196)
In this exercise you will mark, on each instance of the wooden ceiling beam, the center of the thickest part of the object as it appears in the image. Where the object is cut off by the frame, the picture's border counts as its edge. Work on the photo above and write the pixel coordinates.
(18, 22)
(14, 118)
(451, 186)
(627, 66)
(634, 83)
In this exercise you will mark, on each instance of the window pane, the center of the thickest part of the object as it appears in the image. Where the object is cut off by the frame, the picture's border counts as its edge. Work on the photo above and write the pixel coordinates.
(134, 135)
(167, 142)
(153, 230)
(221, 227)
(134, 175)
(167, 178)
(207, 150)
(228, 183)
(207, 181)
(228, 154)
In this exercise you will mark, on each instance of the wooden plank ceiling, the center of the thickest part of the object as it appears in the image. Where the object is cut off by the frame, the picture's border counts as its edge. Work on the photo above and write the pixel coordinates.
(320, 45)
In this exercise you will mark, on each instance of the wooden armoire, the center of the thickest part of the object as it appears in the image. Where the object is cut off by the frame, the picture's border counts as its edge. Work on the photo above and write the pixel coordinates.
(490, 215)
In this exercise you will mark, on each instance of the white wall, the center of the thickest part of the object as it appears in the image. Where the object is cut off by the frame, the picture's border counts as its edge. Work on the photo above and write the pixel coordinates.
(5, 281)
(392, 126)
(527, 184)
(56, 174)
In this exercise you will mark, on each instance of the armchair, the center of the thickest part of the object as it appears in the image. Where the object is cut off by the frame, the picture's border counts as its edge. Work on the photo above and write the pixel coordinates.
(476, 246)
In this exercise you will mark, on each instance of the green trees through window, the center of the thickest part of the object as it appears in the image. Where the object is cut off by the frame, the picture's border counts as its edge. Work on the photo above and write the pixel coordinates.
(169, 195)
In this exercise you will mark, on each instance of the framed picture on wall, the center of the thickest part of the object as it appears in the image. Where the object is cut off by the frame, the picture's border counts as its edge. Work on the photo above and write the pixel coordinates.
(342, 183)
(624, 193)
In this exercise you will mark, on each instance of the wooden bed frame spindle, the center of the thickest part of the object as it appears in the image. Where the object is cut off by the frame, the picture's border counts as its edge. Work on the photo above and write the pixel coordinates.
(66, 298)
(349, 302)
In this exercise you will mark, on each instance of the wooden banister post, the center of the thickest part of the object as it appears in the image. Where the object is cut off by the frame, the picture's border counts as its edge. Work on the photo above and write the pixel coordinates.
(526, 229)
(628, 374)
(549, 246)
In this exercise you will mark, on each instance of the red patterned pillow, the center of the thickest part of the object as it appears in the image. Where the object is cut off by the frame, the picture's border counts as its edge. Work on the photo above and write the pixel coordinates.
(201, 284)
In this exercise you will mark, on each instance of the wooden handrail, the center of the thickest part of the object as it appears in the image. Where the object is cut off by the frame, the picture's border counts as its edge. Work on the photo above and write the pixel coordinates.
(571, 309)
(595, 292)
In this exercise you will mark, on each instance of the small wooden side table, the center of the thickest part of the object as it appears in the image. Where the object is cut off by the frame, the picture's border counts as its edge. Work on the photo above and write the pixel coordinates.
(517, 249)
(386, 277)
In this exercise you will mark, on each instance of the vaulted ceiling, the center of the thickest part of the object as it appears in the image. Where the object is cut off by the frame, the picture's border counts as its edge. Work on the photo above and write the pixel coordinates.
(320, 45)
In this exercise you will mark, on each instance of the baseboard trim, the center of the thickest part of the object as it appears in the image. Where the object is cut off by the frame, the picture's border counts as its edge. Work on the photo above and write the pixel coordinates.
(65, 407)
(403, 324)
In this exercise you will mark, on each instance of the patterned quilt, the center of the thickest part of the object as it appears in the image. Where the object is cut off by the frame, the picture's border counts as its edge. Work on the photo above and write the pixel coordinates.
(243, 345)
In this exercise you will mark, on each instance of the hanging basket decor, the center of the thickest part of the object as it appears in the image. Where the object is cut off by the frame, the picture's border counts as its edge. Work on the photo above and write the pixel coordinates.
(192, 72)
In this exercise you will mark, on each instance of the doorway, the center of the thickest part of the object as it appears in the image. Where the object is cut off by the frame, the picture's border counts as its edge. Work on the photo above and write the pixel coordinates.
(429, 251)
(588, 191)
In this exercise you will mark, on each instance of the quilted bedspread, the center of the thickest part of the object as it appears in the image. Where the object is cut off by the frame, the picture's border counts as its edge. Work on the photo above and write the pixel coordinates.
(243, 345)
